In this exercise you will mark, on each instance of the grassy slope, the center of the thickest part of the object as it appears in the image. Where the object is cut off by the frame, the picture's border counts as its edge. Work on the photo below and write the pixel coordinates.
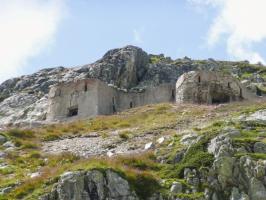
(140, 170)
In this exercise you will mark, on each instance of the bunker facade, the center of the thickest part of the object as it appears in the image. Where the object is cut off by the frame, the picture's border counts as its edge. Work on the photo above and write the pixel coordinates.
(209, 87)
(92, 97)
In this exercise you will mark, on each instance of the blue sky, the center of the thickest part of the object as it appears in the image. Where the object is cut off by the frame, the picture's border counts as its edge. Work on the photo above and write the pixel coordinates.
(70, 33)
(91, 28)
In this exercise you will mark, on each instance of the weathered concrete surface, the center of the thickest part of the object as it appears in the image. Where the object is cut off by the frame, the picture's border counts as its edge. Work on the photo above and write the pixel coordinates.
(209, 87)
(91, 97)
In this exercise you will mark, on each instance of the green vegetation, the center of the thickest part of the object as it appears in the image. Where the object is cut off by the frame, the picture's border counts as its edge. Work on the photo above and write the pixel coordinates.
(194, 196)
(124, 135)
(255, 156)
(142, 171)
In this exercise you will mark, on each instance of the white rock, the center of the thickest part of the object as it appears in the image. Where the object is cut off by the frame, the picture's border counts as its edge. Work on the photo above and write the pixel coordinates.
(148, 146)
(160, 140)
(109, 154)
(8, 144)
(171, 144)
(35, 174)
(259, 116)
(188, 138)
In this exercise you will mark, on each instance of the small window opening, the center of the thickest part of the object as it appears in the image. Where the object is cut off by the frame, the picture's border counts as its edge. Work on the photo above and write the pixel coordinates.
(58, 93)
(258, 92)
(113, 101)
(72, 112)
(131, 104)
(86, 88)
(229, 85)
(199, 79)
(240, 93)
(173, 94)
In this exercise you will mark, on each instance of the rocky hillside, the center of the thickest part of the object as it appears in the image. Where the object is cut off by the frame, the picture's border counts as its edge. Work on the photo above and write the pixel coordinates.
(23, 100)
(155, 152)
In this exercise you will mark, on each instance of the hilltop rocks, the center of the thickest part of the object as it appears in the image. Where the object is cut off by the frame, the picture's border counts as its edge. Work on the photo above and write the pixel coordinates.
(123, 67)
(91, 185)
(23, 108)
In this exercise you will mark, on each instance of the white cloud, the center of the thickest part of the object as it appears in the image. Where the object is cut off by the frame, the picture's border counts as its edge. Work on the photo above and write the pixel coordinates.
(241, 22)
(26, 28)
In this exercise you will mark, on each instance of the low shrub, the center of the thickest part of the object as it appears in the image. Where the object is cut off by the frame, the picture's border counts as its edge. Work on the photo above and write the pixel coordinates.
(20, 133)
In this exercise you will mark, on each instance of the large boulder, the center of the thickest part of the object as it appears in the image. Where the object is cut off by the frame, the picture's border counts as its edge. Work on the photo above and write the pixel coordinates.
(91, 185)
(221, 146)
(257, 190)
(260, 147)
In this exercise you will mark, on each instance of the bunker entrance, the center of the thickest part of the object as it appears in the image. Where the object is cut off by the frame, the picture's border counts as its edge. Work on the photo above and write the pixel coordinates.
(220, 98)
(72, 112)
(173, 95)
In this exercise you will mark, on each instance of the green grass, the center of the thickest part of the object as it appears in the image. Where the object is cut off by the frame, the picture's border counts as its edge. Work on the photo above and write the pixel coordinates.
(124, 135)
(256, 156)
(142, 171)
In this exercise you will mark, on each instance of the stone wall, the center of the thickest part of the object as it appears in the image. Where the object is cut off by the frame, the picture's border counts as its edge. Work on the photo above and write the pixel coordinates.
(91, 97)
(74, 95)
(209, 87)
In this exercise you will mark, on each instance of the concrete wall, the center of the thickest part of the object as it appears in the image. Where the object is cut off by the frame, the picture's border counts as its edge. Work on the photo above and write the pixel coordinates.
(209, 87)
(162, 93)
(100, 99)
(70, 95)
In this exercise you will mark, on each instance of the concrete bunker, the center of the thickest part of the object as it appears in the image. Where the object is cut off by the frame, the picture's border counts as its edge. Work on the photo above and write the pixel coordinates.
(92, 97)
(208, 87)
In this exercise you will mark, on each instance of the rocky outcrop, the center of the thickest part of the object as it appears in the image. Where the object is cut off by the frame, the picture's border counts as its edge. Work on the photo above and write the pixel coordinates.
(123, 67)
(91, 185)
(233, 177)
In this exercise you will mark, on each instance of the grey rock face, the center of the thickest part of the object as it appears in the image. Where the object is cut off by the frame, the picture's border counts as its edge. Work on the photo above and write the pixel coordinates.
(123, 67)
(221, 146)
(257, 190)
(246, 174)
(3, 139)
(176, 188)
(259, 116)
(189, 139)
(91, 185)
(260, 147)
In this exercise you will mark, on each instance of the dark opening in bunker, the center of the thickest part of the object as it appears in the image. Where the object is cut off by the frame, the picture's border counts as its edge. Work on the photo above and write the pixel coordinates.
(240, 93)
(173, 95)
(229, 85)
(86, 88)
(199, 79)
(73, 111)
(113, 104)
(131, 104)
(258, 92)
(220, 98)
